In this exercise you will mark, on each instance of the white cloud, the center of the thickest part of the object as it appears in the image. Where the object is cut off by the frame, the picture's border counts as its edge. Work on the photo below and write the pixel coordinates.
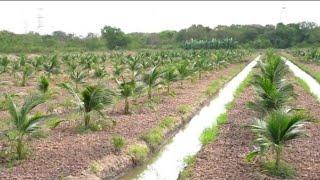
(133, 16)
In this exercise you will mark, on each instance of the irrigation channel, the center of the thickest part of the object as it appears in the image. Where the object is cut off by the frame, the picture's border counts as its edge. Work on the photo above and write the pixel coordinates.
(169, 162)
(310, 81)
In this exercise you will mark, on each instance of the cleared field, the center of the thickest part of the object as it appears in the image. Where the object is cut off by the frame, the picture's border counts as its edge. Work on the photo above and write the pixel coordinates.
(162, 97)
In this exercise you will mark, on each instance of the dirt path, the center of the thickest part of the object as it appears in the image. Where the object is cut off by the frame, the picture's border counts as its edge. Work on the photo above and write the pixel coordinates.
(224, 158)
(66, 153)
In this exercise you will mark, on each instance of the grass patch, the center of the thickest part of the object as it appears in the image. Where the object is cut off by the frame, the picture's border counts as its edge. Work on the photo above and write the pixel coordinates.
(222, 119)
(167, 122)
(213, 87)
(303, 84)
(186, 173)
(95, 167)
(183, 109)
(139, 153)
(154, 137)
(209, 134)
(284, 171)
(81, 129)
(243, 85)
(118, 142)
(189, 160)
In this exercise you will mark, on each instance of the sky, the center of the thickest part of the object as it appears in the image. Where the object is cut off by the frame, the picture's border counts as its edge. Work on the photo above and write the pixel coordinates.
(83, 17)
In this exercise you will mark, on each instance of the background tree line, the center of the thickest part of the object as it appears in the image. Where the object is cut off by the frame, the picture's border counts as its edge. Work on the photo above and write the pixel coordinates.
(256, 36)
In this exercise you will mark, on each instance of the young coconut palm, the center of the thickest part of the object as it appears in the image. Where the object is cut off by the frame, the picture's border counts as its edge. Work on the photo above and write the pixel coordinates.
(93, 98)
(274, 69)
(169, 75)
(4, 63)
(151, 79)
(126, 90)
(53, 67)
(183, 70)
(275, 131)
(78, 76)
(269, 96)
(202, 64)
(26, 73)
(23, 123)
(43, 84)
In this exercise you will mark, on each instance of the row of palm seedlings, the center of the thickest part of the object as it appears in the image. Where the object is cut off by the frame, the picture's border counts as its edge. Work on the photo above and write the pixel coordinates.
(309, 54)
(277, 123)
(227, 43)
(94, 87)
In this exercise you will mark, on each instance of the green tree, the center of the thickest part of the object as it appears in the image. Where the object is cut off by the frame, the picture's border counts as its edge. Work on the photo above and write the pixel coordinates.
(115, 37)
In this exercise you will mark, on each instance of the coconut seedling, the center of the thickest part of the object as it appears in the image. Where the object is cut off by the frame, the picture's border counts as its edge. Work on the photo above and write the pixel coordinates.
(78, 76)
(23, 122)
(127, 90)
(169, 76)
(26, 74)
(184, 71)
(274, 132)
(92, 98)
(52, 67)
(152, 80)
(43, 84)
(4, 64)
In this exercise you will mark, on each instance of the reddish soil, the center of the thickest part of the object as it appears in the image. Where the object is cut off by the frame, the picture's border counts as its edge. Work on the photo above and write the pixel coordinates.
(224, 158)
(65, 152)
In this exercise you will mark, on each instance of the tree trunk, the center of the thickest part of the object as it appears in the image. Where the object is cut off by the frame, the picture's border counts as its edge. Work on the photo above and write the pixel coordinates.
(86, 120)
(19, 148)
(149, 93)
(126, 107)
(278, 155)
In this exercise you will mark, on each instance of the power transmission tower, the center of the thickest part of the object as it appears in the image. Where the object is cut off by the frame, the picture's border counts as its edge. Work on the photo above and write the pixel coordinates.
(40, 17)
(282, 12)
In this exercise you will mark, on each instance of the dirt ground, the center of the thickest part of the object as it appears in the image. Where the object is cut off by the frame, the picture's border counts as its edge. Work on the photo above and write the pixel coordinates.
(224, 158)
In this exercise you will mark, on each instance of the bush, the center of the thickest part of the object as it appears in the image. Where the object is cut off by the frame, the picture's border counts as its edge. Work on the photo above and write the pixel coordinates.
(139, 153)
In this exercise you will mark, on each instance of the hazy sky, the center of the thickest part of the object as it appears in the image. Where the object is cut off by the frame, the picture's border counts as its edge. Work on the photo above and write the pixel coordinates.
(133, 16)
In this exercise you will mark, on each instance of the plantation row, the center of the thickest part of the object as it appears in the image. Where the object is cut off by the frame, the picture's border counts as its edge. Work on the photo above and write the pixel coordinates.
(95, 82)
(227, 43)
(275, 125)
(310, 54)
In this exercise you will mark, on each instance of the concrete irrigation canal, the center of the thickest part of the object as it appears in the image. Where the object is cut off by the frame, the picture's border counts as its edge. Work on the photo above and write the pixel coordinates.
(310, 81)
(169, 162)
